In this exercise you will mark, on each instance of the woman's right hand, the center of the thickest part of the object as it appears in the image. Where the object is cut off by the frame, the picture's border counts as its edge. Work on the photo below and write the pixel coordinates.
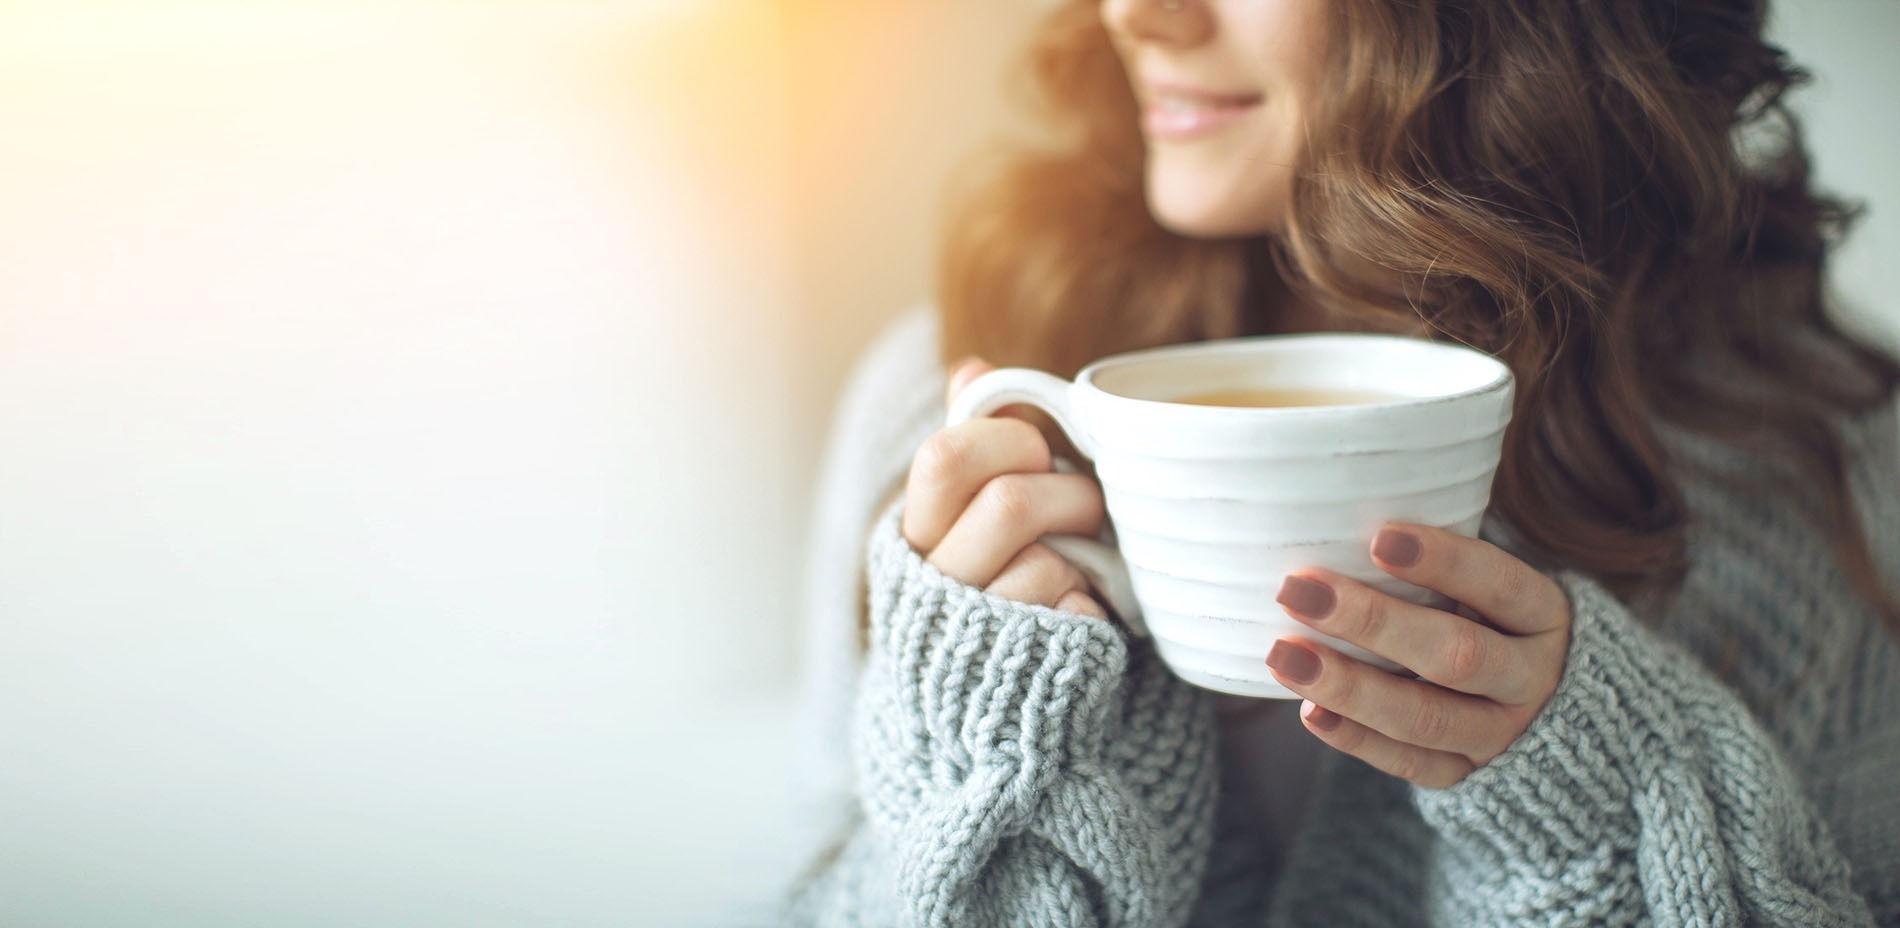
(980, 494)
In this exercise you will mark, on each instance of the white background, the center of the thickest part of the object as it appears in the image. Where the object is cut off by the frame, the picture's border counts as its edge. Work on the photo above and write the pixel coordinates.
(409, 410)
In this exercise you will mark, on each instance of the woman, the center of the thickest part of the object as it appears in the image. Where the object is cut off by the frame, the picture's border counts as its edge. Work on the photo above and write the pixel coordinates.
(1672, 691)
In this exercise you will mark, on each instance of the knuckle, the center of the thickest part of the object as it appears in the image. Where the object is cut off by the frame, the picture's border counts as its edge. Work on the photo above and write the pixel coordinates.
(1007, 499)
(1513, 586)
(1469, 655)
(1431, 723)
(1408, 765)
(943, 456)
(1375, 616)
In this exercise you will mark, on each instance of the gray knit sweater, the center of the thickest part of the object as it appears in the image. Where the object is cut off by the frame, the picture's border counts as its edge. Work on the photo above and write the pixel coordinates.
(1015, 765)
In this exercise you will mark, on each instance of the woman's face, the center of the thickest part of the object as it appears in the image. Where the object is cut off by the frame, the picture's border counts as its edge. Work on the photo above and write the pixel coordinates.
(1225, 87)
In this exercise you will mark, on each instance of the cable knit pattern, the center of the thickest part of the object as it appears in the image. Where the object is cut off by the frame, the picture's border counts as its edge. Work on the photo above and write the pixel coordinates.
(1643, 787)
(1021, 765)
(1016, 765)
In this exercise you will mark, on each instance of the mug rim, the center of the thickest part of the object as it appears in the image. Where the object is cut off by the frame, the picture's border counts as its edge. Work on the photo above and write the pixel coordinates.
(1501, 379)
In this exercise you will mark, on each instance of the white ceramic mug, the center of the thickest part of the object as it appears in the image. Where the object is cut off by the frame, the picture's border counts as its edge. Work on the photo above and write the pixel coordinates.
(1210, 507)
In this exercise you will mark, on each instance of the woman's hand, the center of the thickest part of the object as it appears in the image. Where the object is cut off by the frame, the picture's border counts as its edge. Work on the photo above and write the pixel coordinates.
(980, 494)
(1484, 674)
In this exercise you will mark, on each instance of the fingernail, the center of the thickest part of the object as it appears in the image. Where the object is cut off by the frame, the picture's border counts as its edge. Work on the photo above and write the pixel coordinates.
(1298, 664)
(1309, 598)
(1322, 718)
(1400, 549)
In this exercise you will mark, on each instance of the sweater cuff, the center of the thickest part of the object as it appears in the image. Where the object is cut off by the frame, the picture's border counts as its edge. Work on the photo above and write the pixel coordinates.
(1565, 786)
(982, 679)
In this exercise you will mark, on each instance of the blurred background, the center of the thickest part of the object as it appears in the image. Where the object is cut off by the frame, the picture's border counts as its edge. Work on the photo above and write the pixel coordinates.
(410, 410)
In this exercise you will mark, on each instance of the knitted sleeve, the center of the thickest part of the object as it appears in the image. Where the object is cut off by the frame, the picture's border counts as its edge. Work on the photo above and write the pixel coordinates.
(1017, 765)
(1645, 792)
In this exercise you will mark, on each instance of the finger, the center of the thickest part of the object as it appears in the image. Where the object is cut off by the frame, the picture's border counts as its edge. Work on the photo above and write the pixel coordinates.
(956, 462)
(1081, 603)
(1449, 650)
(1426, 767)
(1412, 711)
(1508, 592)
(1038, 575)
(1010, 512)
(961, 373)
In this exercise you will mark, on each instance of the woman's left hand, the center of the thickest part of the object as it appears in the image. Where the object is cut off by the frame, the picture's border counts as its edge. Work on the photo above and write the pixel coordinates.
(1484, 673)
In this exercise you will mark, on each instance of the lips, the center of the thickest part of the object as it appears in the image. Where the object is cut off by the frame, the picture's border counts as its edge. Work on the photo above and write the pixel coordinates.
(1179, 111)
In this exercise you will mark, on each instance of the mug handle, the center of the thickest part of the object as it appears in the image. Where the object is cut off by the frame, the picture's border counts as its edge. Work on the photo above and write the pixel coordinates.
(1098, 561)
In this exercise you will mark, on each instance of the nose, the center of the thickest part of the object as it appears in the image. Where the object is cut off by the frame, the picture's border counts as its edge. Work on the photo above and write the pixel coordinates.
(1171, 22)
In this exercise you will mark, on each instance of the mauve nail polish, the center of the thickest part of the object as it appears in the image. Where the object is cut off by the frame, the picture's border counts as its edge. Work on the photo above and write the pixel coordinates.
(1400, 549)
(1323, 718)
(1297, 663)
(1309, 598)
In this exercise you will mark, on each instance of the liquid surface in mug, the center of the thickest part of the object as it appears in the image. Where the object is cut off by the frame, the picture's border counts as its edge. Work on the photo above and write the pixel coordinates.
(1289, 396)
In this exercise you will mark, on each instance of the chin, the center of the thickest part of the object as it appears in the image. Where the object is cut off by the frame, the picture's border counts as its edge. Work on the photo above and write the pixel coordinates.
(1201, 224)
(1208, 217)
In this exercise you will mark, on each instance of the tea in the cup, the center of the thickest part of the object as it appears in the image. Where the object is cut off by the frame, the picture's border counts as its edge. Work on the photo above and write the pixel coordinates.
(1289, 396)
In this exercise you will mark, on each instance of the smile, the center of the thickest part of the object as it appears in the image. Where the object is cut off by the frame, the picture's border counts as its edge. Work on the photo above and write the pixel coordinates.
(1180, 116)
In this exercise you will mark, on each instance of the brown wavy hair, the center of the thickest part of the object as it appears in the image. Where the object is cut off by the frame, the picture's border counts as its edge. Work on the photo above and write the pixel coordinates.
(1608, 196)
